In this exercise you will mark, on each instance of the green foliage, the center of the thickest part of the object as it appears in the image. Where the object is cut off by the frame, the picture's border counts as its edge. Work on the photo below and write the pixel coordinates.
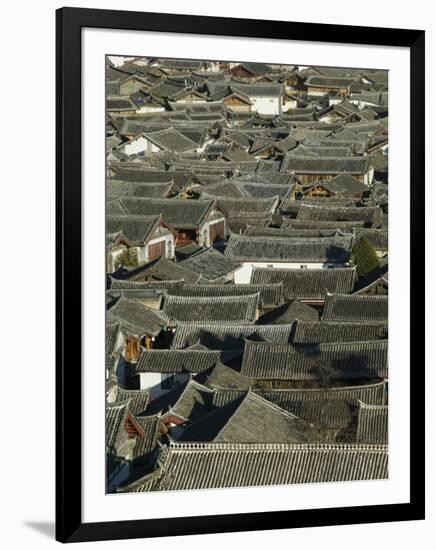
(364, 257)
(129, 258)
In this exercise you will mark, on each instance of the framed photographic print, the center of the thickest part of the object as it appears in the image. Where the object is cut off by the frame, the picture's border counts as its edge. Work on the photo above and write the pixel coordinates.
(233, 352)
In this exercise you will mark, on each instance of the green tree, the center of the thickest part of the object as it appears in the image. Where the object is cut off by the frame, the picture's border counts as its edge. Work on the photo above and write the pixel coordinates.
(364, 257)
(129, 258)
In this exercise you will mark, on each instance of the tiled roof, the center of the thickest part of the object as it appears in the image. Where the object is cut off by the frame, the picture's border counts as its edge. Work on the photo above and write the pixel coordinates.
(177, 212)
(288, 313)
(258, 231)
(307, 283)
(328, 81)
(137, 229)
(127, 284)
(116, 415)
(342, 307)
(324, 165)
(344, 184)
(138, 399)
(210, 264)
(112, 332)
(188, 401)
(120, 104)
(146, 443)
(335, 361)
(247, 419)
(250, 206)
(244, 248)
(372, 425)
(222, 377)
(174, 361)
(332, 408)
(367, 214)
(264, 190)
(171, 139)
(270, 295)
(208, 309)
(135, 318)
(166, 270)
(345, 227)
(209, 465)
(336, 331)
(153, 190)
(141, 175)
(227, 336)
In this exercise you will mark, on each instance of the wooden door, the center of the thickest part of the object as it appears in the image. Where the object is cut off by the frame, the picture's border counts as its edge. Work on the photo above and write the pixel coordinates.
(216, 231)
(155, 250)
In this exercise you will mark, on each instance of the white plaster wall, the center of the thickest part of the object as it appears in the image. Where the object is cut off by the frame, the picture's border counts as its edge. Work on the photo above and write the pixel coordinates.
(150, 109)
(266, 105)
(243, 274)
(152, 381)
(289, 104)
(204, 235)
(149, 380)
(113, 255)
(140, 145)
(369, 177)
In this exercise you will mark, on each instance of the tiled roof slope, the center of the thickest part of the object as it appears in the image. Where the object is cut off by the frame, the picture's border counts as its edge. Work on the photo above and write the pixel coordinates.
(243, 248)
(177, 212)
(307, 283)
(271, 295)
(343, 307)
(372, 425)
(248, 419)
(227, 309)
(173, 361)
(337, 331)
(201, 466)
(334, 361)
(135, 318)
(227, 336)
(210, 264)
(330, 407)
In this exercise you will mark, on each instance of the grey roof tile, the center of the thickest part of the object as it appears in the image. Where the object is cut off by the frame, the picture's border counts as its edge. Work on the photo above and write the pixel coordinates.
(173, 361)
(271, 295)
(200, 466)
(342, 307)
(135, 318)
(325, 165)
(336, 331)
(208, 309)
(309, 284)
(372, 425)
(210, 264)
(333, 361)
(248, 419)
(177, 212)
(227, 336)
(244, 248)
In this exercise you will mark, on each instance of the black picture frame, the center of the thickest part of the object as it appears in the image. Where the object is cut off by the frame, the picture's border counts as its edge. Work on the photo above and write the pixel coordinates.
(69, 525)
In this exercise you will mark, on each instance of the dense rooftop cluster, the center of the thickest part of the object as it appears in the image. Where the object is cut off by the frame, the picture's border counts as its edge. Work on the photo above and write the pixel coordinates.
(247, 274)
